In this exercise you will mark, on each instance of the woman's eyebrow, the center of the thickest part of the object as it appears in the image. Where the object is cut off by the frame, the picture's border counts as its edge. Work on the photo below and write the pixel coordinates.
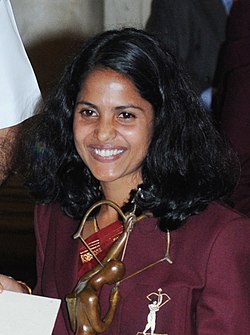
(86, 103)
(128, 106)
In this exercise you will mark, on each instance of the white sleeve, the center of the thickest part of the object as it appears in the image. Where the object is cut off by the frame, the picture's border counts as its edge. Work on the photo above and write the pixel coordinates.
(19, 90)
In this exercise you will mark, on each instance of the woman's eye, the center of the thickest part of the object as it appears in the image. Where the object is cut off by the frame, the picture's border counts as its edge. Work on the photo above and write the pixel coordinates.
(126, 115)
(88, 113)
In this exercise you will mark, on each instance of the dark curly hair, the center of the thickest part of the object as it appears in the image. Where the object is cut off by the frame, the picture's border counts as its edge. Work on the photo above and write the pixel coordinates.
(188, 164)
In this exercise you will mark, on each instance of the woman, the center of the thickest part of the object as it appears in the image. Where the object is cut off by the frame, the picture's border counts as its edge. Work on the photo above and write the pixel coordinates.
(124, 125)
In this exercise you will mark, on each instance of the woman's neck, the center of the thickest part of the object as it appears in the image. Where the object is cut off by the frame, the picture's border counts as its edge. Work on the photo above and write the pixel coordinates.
(119, 194)
(119, 191)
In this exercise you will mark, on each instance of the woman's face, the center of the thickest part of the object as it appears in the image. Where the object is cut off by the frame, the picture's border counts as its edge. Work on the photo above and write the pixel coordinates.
(112, 127)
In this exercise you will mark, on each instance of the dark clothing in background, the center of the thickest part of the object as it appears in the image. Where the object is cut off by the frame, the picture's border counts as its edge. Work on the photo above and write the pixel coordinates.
(195, 30)
(233, 108)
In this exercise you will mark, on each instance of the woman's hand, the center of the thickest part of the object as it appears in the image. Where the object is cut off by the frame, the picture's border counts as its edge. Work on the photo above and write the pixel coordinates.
(10, 284)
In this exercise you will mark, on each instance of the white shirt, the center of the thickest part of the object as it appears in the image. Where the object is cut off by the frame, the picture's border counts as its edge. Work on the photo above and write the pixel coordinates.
(227, 4)
(19, 91)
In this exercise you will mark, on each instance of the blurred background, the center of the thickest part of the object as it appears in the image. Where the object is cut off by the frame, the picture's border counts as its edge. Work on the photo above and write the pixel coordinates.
(51, 31)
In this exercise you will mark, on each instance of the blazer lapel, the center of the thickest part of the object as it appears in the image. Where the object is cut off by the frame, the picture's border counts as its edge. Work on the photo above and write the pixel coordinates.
(66, 251)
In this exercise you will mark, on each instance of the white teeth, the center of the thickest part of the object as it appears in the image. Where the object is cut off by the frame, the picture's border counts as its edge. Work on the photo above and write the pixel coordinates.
(108, 152)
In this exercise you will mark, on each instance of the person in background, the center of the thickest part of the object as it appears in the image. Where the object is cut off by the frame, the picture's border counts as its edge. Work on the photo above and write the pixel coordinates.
(19, 89)
(124, 125)
(195, 31)
(233, 104)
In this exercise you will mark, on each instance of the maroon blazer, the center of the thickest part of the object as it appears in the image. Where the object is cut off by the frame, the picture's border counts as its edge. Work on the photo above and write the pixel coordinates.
(234, 97)
(208, 282)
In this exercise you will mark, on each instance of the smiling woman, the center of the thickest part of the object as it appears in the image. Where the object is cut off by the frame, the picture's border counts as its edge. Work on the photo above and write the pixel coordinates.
(131, 180)
(112, 129)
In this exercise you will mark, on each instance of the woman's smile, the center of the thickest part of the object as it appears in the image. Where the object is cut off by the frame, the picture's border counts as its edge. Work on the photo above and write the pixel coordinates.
(104, 154)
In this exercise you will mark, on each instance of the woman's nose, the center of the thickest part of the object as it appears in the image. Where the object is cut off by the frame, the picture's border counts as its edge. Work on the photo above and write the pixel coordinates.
(105, 130)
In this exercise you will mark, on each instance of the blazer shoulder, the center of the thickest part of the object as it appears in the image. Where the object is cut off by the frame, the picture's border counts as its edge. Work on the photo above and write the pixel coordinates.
(218, 217)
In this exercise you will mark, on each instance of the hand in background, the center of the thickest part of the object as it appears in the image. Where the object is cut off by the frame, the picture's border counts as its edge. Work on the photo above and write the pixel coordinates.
(10, 284)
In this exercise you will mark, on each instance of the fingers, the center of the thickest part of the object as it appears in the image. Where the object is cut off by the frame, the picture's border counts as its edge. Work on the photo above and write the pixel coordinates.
(3, 281)
(10, 284)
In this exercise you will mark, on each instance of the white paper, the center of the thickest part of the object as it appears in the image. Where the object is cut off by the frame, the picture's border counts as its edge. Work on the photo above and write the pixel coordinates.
(25, 314)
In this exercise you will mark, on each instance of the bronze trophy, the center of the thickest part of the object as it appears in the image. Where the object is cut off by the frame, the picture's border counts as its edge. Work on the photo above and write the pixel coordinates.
(83, 303)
